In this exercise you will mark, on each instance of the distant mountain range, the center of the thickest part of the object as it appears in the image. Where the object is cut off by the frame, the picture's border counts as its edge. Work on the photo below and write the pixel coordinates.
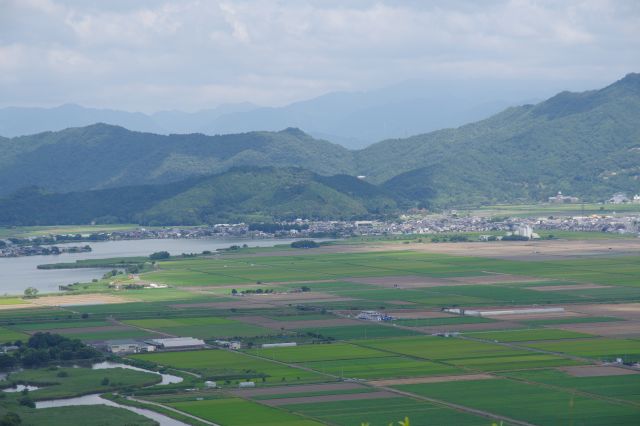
(584, 144)
(353, 119)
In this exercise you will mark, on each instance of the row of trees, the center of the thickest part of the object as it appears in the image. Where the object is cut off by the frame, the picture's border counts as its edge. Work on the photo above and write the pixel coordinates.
(42, 348)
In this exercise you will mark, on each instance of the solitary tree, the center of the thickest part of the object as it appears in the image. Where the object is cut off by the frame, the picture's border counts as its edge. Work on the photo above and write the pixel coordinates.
(30, 292)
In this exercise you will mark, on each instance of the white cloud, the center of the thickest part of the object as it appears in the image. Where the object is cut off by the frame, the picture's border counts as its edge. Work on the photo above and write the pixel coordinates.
(190, 54)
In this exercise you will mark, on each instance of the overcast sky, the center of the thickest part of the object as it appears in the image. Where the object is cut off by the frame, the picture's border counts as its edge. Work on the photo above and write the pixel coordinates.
(183, 54)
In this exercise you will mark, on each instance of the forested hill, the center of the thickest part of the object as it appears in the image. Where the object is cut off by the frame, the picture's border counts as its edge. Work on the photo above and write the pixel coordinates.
(104, 156)
(241, 194)
(585, 144)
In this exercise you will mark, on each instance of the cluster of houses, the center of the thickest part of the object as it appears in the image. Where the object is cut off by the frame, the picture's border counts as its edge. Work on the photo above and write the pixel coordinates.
(621, 198)
(617, 198)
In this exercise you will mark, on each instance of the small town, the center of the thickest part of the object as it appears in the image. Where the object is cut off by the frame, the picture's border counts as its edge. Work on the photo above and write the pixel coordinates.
(415, 224)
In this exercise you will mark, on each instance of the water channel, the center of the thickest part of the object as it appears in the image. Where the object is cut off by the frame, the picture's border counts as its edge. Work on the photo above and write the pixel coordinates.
(96, 399)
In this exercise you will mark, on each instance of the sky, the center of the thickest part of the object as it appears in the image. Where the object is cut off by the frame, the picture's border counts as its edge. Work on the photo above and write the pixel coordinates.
(192, 54)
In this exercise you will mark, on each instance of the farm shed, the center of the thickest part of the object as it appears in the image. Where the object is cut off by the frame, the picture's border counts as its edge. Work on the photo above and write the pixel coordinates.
(177, 343)
(128, 346)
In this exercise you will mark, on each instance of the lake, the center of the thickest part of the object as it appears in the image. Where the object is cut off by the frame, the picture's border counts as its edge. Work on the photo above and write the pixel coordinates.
(18, 273)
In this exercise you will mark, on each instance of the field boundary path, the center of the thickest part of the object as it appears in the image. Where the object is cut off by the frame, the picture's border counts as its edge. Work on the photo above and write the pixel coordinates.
(157, 404)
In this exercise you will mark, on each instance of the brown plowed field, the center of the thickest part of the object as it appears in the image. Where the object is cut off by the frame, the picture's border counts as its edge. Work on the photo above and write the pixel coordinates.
(222, 305)
(279, 390)
(597, 370)
(80, 299)
(482, 326)
(25, 305)
(609, 329)
(529, 250)
(567, 287)
(409, 281)
(277, 325)
(495, 279)
(629, 311)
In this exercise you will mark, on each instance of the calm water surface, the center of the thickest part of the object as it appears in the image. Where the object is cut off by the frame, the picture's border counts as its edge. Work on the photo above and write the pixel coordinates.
(18, 273)
(95, 399)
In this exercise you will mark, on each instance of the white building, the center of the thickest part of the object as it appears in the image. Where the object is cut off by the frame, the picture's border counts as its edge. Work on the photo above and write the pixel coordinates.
(559, 198)
(524, 311)
(177, 343)
(525, 231)
(228, 344)
(247, 385)
(129, 346)
(373, 316)
(619, 198)
(279, 345)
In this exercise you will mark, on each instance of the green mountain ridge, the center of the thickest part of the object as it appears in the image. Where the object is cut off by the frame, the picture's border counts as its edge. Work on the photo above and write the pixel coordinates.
(241, 194)
(585, 144)
(104, 156)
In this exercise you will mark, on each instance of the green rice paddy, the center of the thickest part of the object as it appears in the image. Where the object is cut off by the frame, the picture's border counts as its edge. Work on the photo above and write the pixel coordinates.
(526, 356)
(226, 365)
(239, 412)
(530, 403)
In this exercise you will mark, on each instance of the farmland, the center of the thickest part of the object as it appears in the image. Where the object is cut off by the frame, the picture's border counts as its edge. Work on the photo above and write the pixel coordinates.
(531, 403)
(434, 366)
(224, 365)
(235, 411)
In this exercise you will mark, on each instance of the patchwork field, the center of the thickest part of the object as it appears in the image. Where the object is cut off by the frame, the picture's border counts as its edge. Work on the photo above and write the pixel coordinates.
(607, 349)
(435, 367)
(529, 403)
(381, 412)
(527, 335)
(233, 366)
(468, 354)
(235, 411)
(202, 327)
(604, 381)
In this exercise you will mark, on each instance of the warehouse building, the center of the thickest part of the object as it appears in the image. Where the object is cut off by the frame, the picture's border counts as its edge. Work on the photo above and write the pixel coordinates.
(128, 346)
(177, 343)
(526, 311)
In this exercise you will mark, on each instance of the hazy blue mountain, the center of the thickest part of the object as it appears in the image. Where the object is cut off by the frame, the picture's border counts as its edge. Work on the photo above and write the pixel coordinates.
(358, 119)
(17, 121)
(353, 119)
(195, 122)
